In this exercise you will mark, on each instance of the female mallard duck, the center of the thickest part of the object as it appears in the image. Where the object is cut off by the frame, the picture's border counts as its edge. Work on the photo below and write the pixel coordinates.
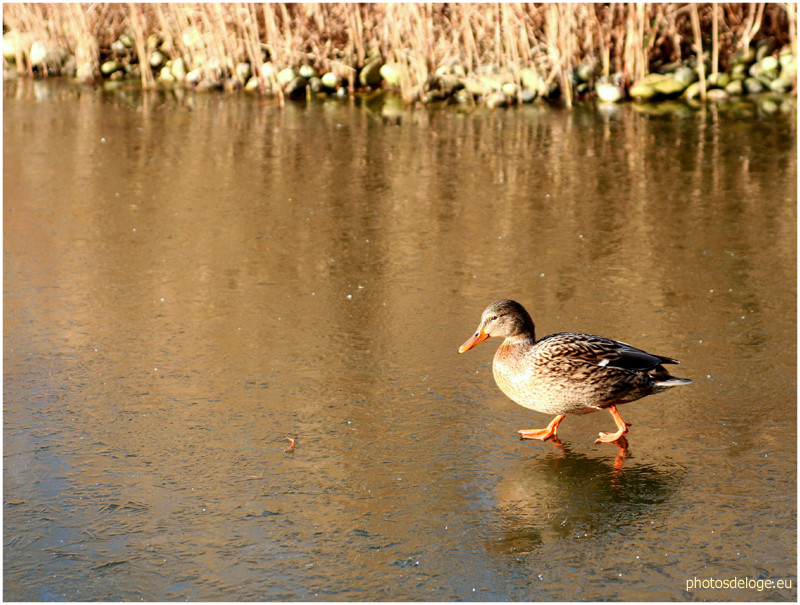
(567, 373)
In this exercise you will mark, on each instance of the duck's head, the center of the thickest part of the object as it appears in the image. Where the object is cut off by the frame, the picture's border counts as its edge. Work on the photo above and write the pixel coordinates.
(504, 318)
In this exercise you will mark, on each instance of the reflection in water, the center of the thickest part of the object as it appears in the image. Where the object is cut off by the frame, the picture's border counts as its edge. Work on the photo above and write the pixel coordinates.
(190, 278)
(567, 495)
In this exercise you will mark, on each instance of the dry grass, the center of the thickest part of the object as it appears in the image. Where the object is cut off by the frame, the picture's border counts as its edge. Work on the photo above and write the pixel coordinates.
(627, 38)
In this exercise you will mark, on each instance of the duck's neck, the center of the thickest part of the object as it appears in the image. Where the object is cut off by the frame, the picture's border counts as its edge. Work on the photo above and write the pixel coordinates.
(522, 339)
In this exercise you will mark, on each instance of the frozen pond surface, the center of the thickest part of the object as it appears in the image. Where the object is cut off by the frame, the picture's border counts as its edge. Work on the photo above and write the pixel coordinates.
(187, 281)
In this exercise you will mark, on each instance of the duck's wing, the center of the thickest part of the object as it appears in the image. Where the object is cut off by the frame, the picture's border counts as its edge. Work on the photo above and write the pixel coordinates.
(601, 351)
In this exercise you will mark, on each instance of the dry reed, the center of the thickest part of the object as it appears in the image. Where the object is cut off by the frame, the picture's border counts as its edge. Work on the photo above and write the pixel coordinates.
(630, 38)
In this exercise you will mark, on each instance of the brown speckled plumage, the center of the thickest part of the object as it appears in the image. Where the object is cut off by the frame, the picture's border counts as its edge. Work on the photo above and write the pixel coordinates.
(567, 373)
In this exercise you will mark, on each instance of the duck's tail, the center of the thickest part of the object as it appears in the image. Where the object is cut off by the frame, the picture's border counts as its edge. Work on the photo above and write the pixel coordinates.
(671, 381)
(664, 380)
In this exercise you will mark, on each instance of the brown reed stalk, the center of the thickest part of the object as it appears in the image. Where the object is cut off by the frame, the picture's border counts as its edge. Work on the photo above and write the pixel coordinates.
(755, 13)
(137, 26)
(252, 38)
(355, 34)
(791, 14)
(698, 45)
(714, 39)
(560, 48)
(85, 44)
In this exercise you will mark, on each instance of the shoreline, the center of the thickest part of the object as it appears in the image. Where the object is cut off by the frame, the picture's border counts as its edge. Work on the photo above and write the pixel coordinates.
(475, 54)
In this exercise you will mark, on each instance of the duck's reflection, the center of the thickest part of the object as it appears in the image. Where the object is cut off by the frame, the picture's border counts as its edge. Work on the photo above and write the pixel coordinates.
(567, 494)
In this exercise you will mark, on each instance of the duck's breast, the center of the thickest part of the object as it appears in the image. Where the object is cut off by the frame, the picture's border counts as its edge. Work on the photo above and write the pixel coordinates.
(542, 378)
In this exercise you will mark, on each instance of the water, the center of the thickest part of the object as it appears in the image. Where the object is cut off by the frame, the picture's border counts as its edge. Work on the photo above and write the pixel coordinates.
(188, 280)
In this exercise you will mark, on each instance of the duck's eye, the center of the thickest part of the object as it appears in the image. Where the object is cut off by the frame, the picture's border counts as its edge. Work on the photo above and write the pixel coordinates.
(493, 318)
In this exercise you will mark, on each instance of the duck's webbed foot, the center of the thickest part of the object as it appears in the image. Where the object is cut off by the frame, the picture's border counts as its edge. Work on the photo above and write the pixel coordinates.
(542, 434)
(622, 427)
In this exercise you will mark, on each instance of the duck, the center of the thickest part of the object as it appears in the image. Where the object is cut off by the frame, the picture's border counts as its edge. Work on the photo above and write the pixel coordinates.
(567, 372)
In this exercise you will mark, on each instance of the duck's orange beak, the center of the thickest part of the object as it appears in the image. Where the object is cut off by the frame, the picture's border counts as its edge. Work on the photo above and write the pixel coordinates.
(476, 338)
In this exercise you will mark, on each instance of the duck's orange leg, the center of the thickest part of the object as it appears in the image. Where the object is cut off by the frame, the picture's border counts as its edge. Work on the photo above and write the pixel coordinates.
(542, 434)
(622, 427)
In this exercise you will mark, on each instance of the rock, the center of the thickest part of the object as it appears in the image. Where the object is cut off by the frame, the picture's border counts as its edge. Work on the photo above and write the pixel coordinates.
(765, 81)
(767, 67)
(243, 71)
(764, 48)
(331, 81)
(109, 67)
(669, 87)
(38, 53)
(206, 85)
(641, 91)
(476, 87)
(464, 97)
(651, 79)
(527, 95)
(15, 42)
(296, 89)
(717, 95)
(769, 63)
(719, 80)
(306, 71)
(252, 84)
(609, 93)
(392, 74)
(267, 71)
(530, 78)
(494, 82)
(286, 75)
(496, 99)
(370, 75)
(194, 76)
(157, 59)
(753, 86)
(179, 69)
(44, 54)
(788, 64)
(432, 96)
(118, 48)
(744, 55)
(126, 40)
(739, 71)
(781, 84)
(192, 40)
(692, 91)
(509, 89)
(165, 75)
(70, 67)
(449, 84)
(153, 42)
(585, 71)
(315, 84)
(84, 71)
(735, 88)
(685, 75)
(442, 70)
